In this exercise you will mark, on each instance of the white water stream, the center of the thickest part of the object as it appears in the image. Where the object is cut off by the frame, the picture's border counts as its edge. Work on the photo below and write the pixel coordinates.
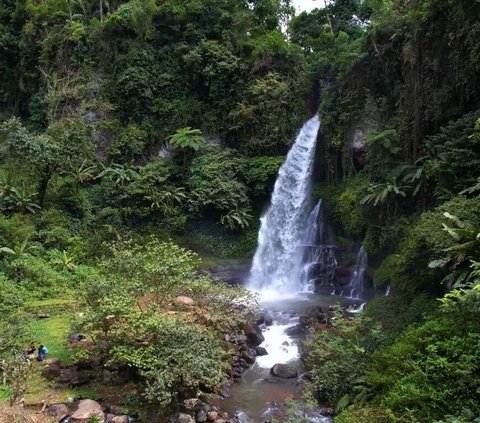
(278, 253)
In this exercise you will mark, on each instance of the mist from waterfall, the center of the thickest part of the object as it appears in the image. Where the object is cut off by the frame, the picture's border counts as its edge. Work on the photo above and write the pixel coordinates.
(282, 228)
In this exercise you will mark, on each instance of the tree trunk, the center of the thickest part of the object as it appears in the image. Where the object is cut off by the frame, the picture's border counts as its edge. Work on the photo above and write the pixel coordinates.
(328, 18)
(101, 10)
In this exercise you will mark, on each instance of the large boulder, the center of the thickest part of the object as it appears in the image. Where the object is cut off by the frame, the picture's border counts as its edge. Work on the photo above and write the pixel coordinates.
(259, 351)
(201, 416)
(57, 411)
(184, 300)
(248, 356)
(312, 316)
(51, 372)
(53, 361)
(86, 409)
(295, 331)
(284, 371)
(254, 334)
(184, 418)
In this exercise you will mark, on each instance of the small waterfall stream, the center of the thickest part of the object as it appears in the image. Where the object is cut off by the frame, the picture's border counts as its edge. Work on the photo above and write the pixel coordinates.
(318, 263)
(356, 283)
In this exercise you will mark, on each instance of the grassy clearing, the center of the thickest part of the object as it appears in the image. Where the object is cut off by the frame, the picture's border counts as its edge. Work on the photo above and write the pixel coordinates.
(53, 333)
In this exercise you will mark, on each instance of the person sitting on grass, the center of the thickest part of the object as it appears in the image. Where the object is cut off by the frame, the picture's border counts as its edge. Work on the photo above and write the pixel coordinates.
(42, 352)
(31, 348)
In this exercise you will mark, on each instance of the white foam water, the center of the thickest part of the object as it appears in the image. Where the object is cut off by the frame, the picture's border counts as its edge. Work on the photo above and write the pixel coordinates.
(283, 226)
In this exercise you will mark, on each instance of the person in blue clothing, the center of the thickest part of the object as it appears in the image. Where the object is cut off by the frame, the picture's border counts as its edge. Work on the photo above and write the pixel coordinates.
(42, 352)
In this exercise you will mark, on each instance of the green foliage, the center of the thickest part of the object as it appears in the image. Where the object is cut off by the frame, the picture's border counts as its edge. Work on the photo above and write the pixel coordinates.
(215, 184)
(154, 268)
(426, 240)
(164, 355)
(465, 249)
(416, 372)
(187, 138)
(455, 155)
(382, 275)
(365, 415)
(337, 357)
(261, 173)
(176, 355)
(236, 219)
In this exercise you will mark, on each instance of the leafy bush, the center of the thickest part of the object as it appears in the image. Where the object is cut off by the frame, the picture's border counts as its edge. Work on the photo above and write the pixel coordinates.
(382, 275)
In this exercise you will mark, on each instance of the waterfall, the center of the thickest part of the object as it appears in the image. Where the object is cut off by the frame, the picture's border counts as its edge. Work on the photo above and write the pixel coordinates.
(282, 227)
(318, 263)
(356, 283)
(387, 291)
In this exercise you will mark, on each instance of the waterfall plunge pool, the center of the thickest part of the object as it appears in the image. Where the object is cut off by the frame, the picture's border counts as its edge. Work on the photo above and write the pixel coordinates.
(261, 396)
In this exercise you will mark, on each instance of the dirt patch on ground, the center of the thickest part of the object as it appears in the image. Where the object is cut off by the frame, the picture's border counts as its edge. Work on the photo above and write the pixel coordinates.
(18, 415)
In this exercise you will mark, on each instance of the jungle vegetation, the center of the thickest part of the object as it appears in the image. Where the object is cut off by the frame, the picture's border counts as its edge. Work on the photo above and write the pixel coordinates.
(139, 143)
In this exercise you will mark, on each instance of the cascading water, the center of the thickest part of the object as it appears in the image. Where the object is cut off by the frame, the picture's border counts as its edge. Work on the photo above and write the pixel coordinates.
(318, 262)
(278, 253)
(356, 283)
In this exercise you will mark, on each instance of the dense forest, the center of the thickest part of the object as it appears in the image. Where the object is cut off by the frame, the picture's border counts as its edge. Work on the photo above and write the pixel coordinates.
(139, 144)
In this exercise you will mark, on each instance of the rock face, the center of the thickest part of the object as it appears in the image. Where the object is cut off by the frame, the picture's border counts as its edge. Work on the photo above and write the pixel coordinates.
(86, 409)
(57, 411)
(284, 371)
(254, 334)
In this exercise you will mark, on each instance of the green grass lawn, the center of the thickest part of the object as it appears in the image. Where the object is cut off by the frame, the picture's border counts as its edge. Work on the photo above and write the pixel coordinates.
(53, 333)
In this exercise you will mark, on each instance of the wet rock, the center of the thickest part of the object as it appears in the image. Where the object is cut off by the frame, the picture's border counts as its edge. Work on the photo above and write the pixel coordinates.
(225, 393)
(265, 318)
(327, 412)
(244, 364)
(192, 403)
(57, 411)
(120, 419)
(295, 331)
(219, 421)
(248, 356)
(284, 371)
(201, 416)
(260, 351)
(212, 416)
(51, 372)
(254, 335)
(184, 418)
(205, 407)
(87, 409)
(241, 339)
(312, 316)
